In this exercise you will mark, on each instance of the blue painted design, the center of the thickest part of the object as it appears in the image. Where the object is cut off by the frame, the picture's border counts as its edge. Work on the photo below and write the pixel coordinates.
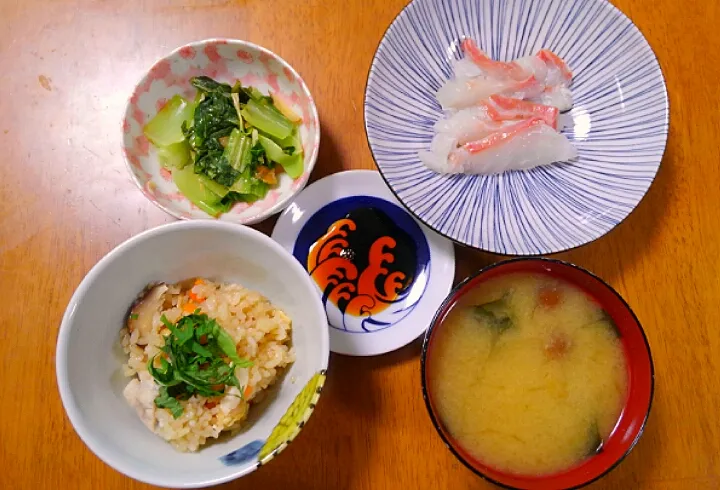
(408, 298)
(619, 123)
(243, 455)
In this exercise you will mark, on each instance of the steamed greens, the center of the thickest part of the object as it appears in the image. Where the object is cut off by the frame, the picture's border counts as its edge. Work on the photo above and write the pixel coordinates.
(198, 357)
(227, 145)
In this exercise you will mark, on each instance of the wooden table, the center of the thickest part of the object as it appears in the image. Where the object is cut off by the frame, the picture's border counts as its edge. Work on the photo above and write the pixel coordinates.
(68, 67)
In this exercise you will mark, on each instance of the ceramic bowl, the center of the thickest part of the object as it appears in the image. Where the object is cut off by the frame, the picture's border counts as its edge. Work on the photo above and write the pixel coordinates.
(641, 376)
(89, 358)
(225, 60)
(619, 123)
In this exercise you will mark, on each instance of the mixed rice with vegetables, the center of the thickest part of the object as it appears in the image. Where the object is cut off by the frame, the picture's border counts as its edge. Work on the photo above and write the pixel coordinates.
(200, 353)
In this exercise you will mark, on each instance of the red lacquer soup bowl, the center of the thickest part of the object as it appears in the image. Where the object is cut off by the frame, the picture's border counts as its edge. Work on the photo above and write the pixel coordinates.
(634, 415)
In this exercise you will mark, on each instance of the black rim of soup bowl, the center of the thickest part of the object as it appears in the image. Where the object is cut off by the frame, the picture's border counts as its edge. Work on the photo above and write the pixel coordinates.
(444, 309)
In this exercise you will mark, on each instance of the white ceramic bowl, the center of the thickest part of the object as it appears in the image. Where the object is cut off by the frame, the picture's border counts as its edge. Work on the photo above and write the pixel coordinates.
(225, 60)
(89, 359)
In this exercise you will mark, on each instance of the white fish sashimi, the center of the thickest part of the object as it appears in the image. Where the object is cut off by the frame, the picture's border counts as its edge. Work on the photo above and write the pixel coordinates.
(436, 159)
(534, 66)
(461, 93)
(543, 77)
(559, 96)
(465, 68)
(492, 115)
(522, 146)
(470, 124)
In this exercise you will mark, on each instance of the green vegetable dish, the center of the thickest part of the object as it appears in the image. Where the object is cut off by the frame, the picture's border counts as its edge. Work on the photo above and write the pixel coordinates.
(228, 145)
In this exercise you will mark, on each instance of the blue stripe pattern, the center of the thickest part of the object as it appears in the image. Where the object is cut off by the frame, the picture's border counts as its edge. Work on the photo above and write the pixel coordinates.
(619, 123)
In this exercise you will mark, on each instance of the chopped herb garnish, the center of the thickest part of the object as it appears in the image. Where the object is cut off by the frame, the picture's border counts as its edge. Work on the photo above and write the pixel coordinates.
(193, 361)
(133, 316)
(164, 400)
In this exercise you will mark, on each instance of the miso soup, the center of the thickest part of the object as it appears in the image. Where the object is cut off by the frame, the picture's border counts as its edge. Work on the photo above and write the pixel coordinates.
(527, 374)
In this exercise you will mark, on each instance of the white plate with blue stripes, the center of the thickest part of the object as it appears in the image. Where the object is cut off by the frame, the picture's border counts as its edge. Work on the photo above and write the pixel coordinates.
(619, 123)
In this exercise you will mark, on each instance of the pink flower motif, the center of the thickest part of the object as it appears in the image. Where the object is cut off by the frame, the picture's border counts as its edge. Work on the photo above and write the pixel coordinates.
(143, 145)
(250, 79)
(264, 57)
(138, 115)
(132, 159)
(165, 174)
(288, 74)
(188, 52)
(175, 196)
(159, 71)
(126, 126)
(244, 56)
(272, 80)
(239, 207)
(160, 103)
(212, 53)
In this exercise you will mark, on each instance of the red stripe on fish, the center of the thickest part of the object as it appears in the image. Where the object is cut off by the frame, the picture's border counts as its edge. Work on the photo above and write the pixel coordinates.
(551, 58)
(506, 134)
(498, 69)
(522, 109)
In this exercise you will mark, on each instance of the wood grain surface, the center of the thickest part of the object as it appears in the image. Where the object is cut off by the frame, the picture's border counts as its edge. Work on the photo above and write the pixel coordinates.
(68, 67)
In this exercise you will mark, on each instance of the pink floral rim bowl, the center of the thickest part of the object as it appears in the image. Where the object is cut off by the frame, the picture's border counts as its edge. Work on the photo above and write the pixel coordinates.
(225, 60)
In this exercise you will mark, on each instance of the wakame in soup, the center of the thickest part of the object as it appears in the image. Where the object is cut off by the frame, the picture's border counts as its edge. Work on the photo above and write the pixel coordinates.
(527, 374)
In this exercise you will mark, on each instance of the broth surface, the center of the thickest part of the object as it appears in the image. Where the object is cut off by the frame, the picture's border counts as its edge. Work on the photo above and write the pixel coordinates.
(527, 374)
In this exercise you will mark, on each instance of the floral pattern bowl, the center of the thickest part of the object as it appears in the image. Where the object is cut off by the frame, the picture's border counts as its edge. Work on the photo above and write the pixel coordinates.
(225, 60)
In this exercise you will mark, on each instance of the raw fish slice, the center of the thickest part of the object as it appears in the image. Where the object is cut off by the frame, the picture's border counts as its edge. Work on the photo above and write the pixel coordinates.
(558, 71)
(546, 67)
(462, 93)
(465, 126)
(484, 111)
(522, 146)
(498, 112)
(520, 69)
(560, 97)
(508, 108)
(534, 66)
(491, 68)
(436, 158)
(465, 68)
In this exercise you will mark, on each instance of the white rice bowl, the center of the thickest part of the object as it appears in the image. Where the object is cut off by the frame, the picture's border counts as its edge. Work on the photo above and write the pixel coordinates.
(93, 364)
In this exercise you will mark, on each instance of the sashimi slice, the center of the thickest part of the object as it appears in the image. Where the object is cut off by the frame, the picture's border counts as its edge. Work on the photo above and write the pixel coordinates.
(509, 108)
(547, 68)
(474, 123)
(559, 96)
(543, 66)
(463, 127)
(464, 68)
(535, 67)
(436, 158)
(491, 68)
(553, 61)
(522, 146)
(461, 93)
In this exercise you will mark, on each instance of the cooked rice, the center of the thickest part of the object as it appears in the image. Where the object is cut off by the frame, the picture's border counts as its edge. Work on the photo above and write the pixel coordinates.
(260, 330)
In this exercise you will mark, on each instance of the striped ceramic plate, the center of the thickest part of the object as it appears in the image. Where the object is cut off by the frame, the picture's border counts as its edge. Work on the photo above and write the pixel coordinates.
(619, 123)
